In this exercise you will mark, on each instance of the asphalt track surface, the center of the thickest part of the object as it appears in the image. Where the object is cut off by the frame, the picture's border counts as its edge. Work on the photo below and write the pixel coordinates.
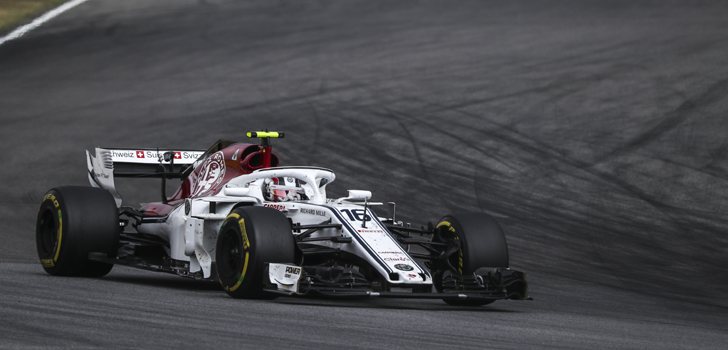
(594, 131)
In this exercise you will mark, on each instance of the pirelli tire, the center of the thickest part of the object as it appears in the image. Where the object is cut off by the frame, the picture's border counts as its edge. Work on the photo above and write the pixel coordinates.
(72, 222)
(249, 238)
(476, 241)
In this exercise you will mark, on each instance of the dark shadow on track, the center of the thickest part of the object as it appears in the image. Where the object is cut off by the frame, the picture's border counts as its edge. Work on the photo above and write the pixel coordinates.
(392, 304)
(170, 282)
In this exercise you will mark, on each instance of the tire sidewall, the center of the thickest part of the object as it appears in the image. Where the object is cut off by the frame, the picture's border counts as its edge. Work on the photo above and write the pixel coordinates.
(56, 258)
(235, 224)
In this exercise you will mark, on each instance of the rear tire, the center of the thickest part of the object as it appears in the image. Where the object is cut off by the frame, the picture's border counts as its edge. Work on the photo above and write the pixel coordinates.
(249, 238)
(477, 241)
(72, 222)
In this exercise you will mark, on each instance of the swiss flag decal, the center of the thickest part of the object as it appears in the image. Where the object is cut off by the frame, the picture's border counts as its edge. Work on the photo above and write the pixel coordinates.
(140, 154)
(177, 155)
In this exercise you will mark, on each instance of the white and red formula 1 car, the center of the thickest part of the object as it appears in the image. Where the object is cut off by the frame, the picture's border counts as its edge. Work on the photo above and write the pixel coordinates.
(261, 229)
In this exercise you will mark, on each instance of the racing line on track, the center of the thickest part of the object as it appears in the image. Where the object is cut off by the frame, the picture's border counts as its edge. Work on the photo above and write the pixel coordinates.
(20, 31)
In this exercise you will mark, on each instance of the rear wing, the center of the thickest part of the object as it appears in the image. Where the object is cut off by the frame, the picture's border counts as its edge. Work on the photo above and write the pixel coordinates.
(106, 164)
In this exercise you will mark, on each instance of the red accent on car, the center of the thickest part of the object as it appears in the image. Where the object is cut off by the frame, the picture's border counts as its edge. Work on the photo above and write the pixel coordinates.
(158, 209)
(267, 155)
(237, 159)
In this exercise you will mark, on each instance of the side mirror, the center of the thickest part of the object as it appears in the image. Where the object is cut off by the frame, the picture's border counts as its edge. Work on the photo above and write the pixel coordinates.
(168, 156)
(356, 196)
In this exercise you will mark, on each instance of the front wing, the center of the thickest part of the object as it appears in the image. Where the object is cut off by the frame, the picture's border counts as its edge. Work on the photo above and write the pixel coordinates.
(500, 283)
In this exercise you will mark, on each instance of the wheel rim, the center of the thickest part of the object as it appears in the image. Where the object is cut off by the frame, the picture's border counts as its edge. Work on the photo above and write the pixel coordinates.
(231, 256)
(47, 234)
(451, 258)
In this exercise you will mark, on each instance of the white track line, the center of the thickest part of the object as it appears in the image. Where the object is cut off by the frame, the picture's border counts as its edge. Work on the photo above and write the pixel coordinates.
(17, 33)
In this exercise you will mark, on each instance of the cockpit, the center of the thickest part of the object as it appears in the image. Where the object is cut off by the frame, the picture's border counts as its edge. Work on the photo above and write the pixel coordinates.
(284, 189)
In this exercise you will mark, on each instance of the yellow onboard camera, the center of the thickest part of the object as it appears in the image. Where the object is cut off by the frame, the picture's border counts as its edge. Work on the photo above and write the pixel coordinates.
(265, 134)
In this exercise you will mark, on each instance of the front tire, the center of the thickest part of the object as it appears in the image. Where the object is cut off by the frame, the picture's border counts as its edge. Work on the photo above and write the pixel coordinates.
(475, 241)
(249, 238)
(72, 222)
